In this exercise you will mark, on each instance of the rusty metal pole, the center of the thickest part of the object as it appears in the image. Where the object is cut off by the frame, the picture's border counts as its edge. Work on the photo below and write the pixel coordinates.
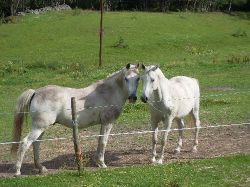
(101, 33)
(78, 153)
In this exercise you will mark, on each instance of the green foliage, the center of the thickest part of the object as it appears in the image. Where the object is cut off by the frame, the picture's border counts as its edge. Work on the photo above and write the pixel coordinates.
(120, 43)
(238, 59)
(239, 33)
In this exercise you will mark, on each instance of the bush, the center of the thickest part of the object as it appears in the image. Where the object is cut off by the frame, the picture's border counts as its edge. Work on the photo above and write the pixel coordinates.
(239, 33)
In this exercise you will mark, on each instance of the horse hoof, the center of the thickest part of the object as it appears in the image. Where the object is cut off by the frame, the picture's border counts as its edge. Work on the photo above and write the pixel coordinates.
(160, 161)
(102, 165)
(153, 160)
(17, 174)
(194, 150)
(177, 151)
(43, 170)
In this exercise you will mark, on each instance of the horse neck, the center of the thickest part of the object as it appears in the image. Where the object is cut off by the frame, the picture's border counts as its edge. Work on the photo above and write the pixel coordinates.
(116, 81)
(159, 73)
(163, 88)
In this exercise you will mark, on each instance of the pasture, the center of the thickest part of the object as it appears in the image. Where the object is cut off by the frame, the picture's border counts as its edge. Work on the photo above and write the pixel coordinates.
(62, 48)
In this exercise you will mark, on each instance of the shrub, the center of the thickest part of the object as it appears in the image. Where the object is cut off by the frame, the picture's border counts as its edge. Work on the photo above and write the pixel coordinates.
(120, 43)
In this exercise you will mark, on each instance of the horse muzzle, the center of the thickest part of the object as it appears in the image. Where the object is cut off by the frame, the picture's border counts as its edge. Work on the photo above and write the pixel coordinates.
(144, 99)
(132, 98)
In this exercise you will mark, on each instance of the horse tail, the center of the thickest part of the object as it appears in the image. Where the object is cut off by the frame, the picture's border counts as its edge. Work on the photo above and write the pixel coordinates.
(22, 107)
(198, 86)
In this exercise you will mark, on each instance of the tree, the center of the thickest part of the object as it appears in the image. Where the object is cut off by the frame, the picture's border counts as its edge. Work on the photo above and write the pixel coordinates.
(13, 6)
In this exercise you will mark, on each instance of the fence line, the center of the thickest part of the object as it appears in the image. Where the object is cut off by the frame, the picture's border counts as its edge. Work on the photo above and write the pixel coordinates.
(134, 133)
(114, 105)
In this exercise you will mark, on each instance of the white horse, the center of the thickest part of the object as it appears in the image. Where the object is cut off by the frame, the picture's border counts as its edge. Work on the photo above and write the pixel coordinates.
(169, 99)
(52, 104)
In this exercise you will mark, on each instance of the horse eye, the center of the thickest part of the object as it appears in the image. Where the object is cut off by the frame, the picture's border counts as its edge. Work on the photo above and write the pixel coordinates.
(152, 80)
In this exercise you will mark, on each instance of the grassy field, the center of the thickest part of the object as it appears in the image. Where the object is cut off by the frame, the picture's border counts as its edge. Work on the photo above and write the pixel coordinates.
(225, 171)
(62, 48)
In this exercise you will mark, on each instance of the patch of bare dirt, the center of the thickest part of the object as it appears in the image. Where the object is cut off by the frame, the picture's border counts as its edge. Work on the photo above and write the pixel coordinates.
(132, 150)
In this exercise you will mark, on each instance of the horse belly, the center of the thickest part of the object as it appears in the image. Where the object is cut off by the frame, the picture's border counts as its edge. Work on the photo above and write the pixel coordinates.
(184, 108)
(88, 118)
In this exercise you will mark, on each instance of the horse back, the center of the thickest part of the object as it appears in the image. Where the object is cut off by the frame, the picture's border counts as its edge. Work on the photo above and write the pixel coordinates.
(185, 82)
(184, 87)
(98, 103)
(52, 99)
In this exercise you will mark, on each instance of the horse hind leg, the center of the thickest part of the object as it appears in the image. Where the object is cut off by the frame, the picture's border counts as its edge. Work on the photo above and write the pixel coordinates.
(102, 142)
(27, 141)
(195, 116)
(36, 146)
(180, 124)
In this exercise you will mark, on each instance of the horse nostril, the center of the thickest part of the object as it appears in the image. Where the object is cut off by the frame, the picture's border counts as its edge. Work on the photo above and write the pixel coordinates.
(144, 99)
(132, 98)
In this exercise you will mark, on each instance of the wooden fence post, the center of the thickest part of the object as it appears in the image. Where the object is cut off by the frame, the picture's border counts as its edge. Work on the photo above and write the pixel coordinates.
(78, 154)
(101, 33)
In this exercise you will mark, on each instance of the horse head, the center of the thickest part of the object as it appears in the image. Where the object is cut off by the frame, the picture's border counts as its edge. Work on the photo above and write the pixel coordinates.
(131, 79)
(149, 82)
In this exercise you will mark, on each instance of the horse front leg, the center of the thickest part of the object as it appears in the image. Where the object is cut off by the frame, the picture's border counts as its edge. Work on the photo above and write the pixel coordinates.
(154, 125)
(102, 142)
(167, 125)
(38, 165)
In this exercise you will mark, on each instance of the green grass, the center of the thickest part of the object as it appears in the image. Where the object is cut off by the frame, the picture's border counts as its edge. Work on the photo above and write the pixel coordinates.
(224, 171)
(62, 48)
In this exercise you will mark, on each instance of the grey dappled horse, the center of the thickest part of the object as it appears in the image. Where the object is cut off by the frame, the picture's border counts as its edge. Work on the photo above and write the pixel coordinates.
(169, 99)
(52, 104)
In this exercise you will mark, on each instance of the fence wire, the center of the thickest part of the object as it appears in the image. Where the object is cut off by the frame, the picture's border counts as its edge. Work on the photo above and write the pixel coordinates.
(132, 133)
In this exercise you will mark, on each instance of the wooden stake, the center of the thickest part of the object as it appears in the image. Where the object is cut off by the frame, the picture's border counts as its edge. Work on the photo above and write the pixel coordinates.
(101, 33)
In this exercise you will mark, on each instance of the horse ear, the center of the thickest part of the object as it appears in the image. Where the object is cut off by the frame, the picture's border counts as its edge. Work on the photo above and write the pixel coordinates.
(128, 66)
(143, 67)
(138, 65)
(154, 68)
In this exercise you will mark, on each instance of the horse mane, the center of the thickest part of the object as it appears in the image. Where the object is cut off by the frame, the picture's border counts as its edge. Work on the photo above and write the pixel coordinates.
(110, 79)
(159, 73)
(157, 70)
(114, 74)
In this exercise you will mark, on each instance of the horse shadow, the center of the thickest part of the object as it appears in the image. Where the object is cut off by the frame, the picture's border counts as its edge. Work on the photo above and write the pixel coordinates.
(67, 162)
